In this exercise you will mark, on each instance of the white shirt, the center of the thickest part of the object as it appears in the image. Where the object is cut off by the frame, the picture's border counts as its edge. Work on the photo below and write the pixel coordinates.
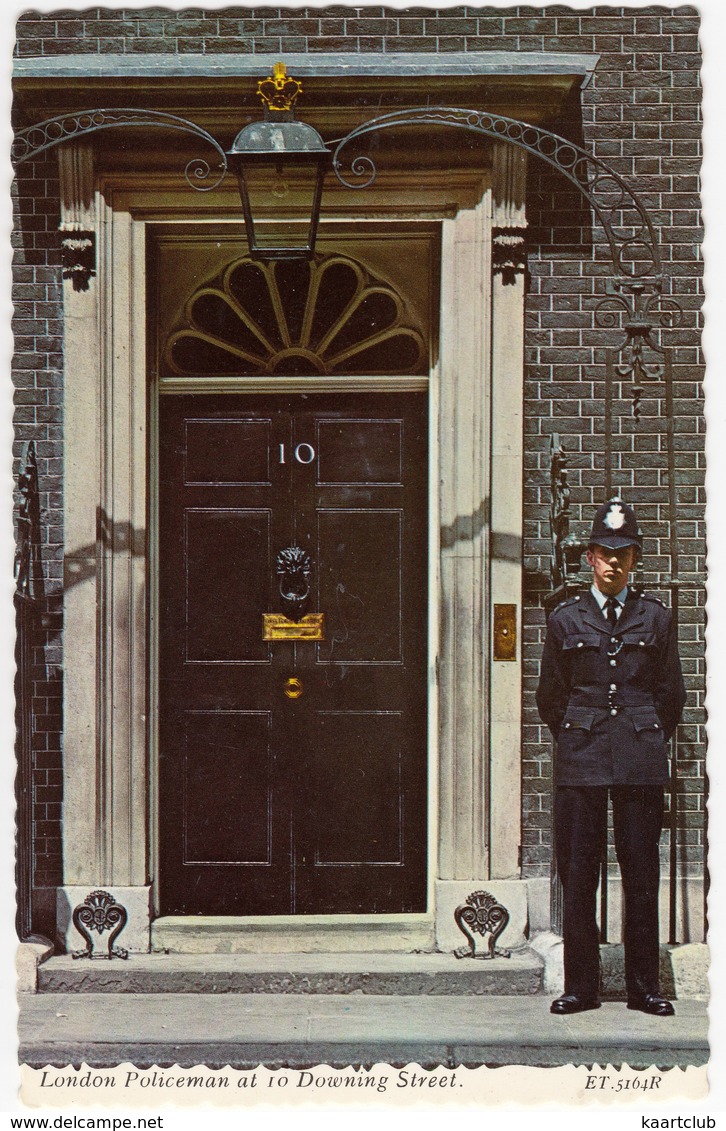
(601, 598)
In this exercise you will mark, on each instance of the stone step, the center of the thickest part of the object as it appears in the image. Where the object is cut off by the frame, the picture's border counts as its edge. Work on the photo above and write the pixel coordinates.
(375, 974)
(303, 1030)
(294, 934)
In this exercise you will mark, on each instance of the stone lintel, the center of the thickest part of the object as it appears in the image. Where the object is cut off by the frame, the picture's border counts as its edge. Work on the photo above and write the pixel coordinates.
(333, 65)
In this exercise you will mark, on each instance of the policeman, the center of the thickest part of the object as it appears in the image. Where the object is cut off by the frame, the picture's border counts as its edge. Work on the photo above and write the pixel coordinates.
(611, 693)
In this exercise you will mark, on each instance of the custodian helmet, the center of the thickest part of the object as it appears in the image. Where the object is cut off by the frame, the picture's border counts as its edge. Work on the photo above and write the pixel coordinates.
(616, 526)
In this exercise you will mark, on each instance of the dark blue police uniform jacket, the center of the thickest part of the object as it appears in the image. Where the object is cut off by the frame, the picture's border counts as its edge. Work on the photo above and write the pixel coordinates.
(612, 697)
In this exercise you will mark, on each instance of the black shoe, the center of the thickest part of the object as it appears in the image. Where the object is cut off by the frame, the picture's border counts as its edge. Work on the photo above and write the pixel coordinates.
(652, 1003)
(573, 1003)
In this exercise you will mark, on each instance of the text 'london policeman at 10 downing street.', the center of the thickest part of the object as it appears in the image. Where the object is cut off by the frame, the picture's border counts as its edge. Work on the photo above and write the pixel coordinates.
(611, 692)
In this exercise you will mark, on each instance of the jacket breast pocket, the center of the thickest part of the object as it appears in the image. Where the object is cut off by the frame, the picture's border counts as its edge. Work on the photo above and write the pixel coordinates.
(642, 640)
(580, 642)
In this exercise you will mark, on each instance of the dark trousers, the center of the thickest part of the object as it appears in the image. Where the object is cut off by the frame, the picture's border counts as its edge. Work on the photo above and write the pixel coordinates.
(580, 840)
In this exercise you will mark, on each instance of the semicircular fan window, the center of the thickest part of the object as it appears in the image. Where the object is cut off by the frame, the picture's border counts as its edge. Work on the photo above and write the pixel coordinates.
(295, 318)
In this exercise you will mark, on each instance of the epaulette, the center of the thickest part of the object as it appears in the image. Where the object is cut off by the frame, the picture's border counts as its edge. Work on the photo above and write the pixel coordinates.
(565, 603)
(655, 600)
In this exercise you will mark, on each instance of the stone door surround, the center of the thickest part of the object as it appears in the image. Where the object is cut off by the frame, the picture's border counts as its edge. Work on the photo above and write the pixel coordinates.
(109, 775)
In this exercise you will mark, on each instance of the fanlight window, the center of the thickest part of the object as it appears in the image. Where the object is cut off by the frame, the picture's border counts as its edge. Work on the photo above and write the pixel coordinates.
(296, 318)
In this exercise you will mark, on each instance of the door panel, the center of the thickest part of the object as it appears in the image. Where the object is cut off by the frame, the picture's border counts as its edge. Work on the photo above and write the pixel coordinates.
(235, 452)
(221, 627)
(365, 747)
(227, 771)
(360, 585)
(271, 804)
(359, 452)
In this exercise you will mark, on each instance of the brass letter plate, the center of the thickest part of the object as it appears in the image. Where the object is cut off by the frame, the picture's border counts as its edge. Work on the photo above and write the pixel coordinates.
(505, 632)
(276, 626)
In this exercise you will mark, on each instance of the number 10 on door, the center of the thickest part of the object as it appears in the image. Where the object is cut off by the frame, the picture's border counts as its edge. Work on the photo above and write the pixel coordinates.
(302, 453)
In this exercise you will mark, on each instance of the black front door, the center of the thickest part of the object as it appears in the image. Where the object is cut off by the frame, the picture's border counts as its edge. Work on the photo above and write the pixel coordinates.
(293, 772)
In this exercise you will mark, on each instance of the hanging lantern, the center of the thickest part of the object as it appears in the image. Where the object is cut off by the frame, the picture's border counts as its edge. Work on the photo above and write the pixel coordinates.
(280, 164)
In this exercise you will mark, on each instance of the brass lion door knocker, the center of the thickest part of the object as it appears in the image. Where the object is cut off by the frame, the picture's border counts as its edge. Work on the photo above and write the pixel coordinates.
(293, 567)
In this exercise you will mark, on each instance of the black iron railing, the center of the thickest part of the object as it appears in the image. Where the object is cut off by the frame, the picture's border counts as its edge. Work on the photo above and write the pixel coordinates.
(28, 595)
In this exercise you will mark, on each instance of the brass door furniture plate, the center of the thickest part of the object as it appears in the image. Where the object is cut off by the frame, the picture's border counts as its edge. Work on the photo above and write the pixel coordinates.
(505, 632)
(276, 626)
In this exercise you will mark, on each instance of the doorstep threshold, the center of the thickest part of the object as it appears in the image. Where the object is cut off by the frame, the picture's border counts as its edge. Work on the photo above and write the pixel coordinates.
(200, 934)
(260, 922)
(294, 973)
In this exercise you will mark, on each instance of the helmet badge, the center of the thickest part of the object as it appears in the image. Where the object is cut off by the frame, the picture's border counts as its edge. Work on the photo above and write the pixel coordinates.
(615, 517)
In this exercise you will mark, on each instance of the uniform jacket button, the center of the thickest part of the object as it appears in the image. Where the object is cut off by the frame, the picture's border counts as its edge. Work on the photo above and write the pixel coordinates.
(580, 644)
(614, 711)
(613, 663)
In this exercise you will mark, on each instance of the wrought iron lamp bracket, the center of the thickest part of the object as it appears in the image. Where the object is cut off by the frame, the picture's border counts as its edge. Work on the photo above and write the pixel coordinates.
(639, 309)
(34, 140)
(624, 218)
(636, 302)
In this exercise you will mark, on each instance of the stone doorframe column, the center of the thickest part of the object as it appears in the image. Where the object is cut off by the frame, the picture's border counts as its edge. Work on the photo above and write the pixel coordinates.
(107, 783)
(481, 390)
(105, 788)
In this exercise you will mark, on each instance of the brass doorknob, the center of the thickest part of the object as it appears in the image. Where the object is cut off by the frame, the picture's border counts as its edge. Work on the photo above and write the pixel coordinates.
(293, 688)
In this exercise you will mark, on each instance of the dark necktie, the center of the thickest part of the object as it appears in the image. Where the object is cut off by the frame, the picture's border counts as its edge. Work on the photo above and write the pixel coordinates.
(610, 606)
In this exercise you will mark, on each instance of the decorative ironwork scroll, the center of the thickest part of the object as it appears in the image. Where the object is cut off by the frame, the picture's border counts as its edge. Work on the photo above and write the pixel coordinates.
(33, 140)
(482, 915)
(100, 912)
(640, 310)
(623, 216)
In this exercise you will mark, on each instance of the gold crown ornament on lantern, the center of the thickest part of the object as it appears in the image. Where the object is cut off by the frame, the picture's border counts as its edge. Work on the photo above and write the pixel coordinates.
(279, 91)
